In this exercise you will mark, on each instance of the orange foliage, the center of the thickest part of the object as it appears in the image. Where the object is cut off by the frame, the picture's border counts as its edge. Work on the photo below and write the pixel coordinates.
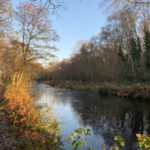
(21, 103)
(23, 113)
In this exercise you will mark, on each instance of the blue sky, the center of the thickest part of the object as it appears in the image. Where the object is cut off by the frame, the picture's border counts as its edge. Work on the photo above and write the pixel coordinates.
(82, 20)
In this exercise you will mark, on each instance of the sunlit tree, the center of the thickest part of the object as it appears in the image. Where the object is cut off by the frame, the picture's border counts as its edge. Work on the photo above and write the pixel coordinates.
(35, 34)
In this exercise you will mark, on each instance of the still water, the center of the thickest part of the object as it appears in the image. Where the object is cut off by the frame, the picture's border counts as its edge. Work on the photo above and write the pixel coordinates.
(104, 116)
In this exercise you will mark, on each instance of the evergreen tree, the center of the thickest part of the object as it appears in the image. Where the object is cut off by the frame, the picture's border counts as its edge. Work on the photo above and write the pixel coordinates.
(135, 50)
(135, 46)
(121, 54)
(147, 49)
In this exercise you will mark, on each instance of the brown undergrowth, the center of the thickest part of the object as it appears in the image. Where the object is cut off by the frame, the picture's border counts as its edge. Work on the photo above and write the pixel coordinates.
(134, 91)
(34, 131)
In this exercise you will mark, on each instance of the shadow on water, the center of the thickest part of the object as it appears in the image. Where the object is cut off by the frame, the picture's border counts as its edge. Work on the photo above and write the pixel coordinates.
(105, 116)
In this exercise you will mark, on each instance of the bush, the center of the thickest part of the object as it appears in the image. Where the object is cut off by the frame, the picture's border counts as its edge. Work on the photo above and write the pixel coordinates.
(28, 120)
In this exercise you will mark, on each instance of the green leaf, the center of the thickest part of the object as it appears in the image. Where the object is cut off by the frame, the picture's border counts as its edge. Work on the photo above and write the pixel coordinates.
(75, 134)
(79, 131)
(120, 140)
(80, 143)
(88, 132)
(75, 145)
(116, 148)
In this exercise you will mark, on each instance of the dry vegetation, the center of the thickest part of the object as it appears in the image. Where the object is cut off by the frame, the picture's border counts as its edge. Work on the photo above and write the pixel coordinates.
(119, 54)
(20, 52)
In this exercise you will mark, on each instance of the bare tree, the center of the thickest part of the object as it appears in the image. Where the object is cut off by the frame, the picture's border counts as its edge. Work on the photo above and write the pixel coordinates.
(35, 35)
(5, 13)
(52, 5)
(136, 6)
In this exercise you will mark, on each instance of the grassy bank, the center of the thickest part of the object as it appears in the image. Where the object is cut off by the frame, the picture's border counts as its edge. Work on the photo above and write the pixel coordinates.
(75, 85)
(29, 128)
(135, 91)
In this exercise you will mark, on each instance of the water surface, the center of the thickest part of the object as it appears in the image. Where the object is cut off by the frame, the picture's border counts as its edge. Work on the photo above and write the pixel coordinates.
(104, 116)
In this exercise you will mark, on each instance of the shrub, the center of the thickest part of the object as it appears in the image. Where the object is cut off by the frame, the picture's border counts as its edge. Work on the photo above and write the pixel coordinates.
(28, 120)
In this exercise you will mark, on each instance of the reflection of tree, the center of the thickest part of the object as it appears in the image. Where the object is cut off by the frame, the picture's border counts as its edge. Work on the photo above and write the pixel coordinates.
(37, 91)
(112, 116)
(107, 116)
(55, 95)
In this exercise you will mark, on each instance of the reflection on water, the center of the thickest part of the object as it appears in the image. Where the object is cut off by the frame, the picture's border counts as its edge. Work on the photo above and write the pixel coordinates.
(105, 116)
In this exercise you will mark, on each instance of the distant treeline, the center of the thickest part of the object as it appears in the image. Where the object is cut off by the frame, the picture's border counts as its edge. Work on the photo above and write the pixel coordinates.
(119, 53)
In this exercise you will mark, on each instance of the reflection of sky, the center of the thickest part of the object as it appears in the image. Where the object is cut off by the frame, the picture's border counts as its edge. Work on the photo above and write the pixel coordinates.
(66, 115)
(105, 117)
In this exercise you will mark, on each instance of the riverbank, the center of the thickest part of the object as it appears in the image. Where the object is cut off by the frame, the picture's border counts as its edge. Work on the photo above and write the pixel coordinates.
(134, 91)
(8, 138)
(24, 126)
